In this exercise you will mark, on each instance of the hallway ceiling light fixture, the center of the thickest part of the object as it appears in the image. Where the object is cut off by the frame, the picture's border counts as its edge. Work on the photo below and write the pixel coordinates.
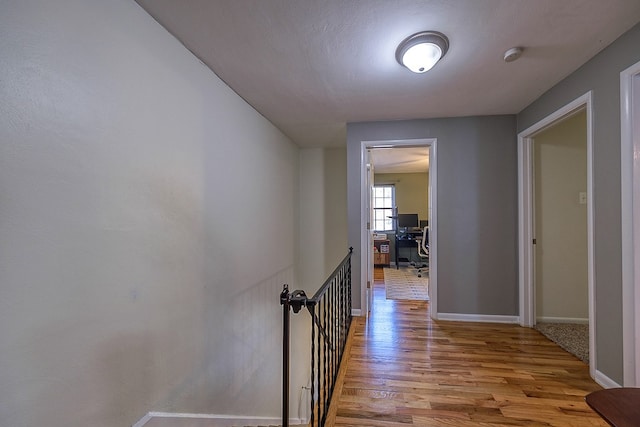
(421, 51)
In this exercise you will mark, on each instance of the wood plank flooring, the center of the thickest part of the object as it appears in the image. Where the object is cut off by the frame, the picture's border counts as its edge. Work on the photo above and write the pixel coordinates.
(403, 369)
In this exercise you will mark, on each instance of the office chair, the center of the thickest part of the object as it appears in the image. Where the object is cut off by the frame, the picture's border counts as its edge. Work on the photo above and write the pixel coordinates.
(423, 252)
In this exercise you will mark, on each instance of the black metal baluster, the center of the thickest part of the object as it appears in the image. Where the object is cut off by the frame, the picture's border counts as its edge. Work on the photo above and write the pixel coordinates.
(313, 370)
(336, 336)
(342, 310)
(336, 328)
(325, 358)
(284, 300)
(330, 310)
(332, 340)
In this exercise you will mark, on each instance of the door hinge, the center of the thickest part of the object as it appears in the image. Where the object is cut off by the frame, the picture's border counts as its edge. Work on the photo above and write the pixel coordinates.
(368, 226)
(534, 241)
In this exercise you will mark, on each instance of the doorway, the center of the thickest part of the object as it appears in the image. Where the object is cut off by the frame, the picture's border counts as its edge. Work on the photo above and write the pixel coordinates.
(367, 238)
(560, 233)
(527, 219)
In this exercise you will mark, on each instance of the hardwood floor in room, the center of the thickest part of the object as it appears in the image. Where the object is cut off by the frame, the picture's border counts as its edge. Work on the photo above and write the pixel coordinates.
(403, 369)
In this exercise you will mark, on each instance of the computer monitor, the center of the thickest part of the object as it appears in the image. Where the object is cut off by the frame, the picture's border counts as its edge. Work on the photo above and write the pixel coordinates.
(407, 221)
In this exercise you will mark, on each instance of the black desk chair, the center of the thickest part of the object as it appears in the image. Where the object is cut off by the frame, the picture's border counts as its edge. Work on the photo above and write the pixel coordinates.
(423, 252)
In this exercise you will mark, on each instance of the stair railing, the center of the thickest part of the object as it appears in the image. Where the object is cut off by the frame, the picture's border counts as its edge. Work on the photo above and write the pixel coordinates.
(330, 310)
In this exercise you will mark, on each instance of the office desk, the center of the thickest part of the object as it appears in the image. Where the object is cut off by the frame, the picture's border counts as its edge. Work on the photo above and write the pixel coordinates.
(406, 240)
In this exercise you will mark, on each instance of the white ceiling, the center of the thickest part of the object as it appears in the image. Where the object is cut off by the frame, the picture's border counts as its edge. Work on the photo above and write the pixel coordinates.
(311, 66)
(400, 160)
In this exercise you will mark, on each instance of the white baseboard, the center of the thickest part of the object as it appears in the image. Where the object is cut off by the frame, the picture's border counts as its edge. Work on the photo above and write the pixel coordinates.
(485, 318)
(142, 421)
(605, 381)
(356, 312)
(549, 319)
(216, 420)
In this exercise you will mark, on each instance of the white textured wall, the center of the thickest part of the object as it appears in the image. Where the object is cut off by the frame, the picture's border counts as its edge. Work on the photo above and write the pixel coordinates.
(323, 213)
(560, 157)
(323, 244)
(636, 106)
(335, 207)
(312, 218)
(147, 223)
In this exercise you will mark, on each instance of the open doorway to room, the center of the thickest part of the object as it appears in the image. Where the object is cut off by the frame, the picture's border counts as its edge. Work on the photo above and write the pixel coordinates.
(560, 233)
(400, 177)
(556, 229)
(400, 211)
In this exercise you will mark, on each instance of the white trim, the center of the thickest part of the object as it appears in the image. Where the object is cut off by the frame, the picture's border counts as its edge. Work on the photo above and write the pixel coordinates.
(549, 319)
(433, 227)
(356, 312)
(483, 318)
(630, 185)
(605, 381)
(369, 182)
(525, 218)
(220, 420)
(142, 421)
(525, 231)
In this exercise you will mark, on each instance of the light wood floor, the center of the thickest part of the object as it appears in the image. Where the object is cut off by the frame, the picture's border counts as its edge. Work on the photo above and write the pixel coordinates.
(403, 369)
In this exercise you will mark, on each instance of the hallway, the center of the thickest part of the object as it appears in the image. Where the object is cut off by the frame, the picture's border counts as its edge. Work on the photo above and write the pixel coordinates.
(404, 369)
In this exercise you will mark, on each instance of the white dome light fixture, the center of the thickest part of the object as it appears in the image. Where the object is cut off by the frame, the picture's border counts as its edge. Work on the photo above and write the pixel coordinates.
(421, 51)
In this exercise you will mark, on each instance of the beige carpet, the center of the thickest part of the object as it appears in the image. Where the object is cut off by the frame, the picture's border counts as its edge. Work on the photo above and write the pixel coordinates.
(404, 284)
(572, 337)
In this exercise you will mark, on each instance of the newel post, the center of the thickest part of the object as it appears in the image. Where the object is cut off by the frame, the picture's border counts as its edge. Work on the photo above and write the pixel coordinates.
(284, 300)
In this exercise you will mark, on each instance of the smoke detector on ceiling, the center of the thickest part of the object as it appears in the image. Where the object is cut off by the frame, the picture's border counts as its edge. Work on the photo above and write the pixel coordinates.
(512, 54)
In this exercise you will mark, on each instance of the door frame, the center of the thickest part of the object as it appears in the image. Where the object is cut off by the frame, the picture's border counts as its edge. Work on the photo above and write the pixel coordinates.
(630, 220)
(526, 262)
(366, 252)
(369, 183)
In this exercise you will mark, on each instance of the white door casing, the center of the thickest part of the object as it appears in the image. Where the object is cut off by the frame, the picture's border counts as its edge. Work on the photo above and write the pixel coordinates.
(630, 220)
(431, 143)
(526, 264)
(369, 230)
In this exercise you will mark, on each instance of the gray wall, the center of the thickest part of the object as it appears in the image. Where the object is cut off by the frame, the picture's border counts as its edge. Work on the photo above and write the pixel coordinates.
(602, 75)
(477, 207)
